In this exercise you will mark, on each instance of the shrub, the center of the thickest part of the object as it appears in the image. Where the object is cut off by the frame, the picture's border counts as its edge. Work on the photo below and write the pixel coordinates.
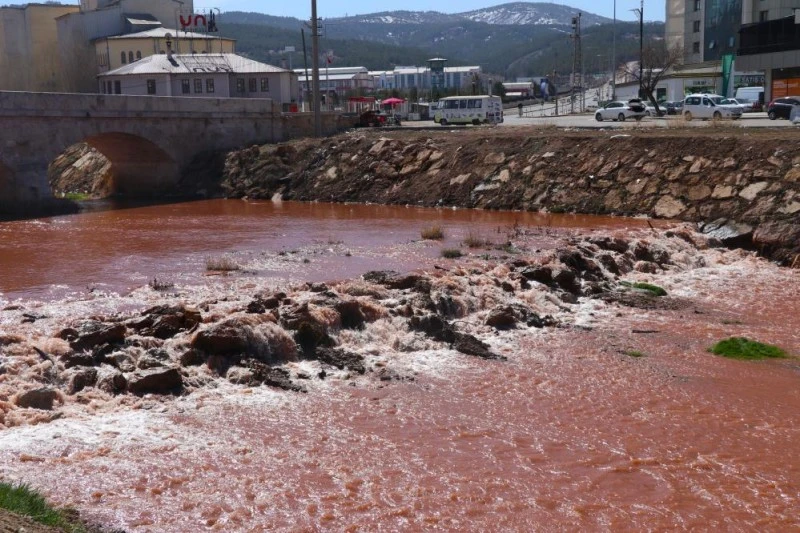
(22, 500)
(633, 353)
(161, 284)
(474, 241)
(451, 253)
(433, 233)
(221, 264)
(743, 348)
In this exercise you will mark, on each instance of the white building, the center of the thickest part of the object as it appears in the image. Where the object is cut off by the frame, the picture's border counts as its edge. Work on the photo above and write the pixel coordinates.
(202, 75)
(337, 83)
(403, 78)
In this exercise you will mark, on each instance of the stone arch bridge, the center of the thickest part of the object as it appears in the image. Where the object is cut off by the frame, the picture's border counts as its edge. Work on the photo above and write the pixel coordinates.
(148, 140)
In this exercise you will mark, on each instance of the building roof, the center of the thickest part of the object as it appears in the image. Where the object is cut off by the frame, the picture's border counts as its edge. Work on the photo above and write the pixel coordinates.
(194, 63)
(161, 33)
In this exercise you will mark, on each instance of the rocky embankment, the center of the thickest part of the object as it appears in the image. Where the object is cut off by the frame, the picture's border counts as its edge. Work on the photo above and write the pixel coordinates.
(743, 187)
(341, 330)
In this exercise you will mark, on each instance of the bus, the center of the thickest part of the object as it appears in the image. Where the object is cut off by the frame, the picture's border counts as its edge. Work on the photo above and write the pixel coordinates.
(481, 109)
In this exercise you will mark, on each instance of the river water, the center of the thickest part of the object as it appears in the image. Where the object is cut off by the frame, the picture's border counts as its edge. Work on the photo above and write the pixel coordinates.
(568, 434)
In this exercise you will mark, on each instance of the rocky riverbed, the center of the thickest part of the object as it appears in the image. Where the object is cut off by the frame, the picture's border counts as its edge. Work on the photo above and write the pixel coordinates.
(284, 338)
(741, 186)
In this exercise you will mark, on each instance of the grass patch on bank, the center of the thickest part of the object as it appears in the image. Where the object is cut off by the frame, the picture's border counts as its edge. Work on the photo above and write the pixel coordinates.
(451, 253)
(655, 290)
(433, 233)
(22, 500)
(746, 349)
(77, 196)
(221, 264)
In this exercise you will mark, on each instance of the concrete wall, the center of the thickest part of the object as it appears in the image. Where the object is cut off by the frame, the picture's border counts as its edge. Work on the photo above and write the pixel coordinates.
(29, 57)
(148, 140)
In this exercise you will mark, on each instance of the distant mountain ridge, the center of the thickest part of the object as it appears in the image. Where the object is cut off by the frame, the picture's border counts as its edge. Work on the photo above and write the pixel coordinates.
(514, 13)
(520, 39)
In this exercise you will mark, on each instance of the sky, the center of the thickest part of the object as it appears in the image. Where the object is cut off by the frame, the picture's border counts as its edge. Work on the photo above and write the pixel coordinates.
(653, 9)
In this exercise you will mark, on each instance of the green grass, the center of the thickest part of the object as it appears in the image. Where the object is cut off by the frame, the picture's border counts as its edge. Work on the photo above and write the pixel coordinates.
(743, 348)
(77, 196)
(655, 290)
(22, 500)
(451, 253)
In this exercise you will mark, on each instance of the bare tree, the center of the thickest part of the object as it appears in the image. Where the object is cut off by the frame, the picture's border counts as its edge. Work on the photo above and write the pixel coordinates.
(657, 61)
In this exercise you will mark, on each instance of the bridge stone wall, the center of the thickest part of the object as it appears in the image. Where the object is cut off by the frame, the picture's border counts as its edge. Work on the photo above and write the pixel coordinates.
(149, 140)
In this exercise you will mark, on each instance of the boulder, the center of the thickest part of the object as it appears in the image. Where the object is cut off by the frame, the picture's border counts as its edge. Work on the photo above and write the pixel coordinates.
(166, 321)
(227, 337)
(540, 274)
(470, 345)
(502, 317)
(272, 377)
(729, 232)
(79, 378)
(341, 359)
(41, 398)
(153, 358)
(157, 381)
(668, 207)
(111, 380)
(92, 333)
(395, 280)
(568, 280)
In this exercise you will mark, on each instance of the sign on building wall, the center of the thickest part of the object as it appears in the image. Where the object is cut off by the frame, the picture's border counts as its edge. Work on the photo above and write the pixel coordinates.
(198, 22)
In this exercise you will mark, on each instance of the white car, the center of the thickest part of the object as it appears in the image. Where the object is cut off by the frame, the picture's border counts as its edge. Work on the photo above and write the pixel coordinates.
(744, 106)
(708, 106)
(620, 111)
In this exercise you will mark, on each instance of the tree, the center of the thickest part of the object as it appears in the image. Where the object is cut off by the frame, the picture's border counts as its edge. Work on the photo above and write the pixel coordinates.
(499, 89)
(657, 61)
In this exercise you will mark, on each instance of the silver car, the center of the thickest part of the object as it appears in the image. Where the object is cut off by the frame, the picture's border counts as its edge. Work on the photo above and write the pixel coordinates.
(620, 111)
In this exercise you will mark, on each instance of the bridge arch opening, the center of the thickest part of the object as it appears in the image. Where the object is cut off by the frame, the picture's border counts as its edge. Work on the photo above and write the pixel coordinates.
(113, 164)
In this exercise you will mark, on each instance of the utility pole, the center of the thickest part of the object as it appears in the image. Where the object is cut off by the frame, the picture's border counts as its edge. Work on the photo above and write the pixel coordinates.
(640, 12)
(614, 55)
(577, 60)
(315, 69)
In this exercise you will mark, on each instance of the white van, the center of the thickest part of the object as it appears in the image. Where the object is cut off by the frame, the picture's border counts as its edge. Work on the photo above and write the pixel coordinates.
(707, 106)
(750, 94)
(476, 110)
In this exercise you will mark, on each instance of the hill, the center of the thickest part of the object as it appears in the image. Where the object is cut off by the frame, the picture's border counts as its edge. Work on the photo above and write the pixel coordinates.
(511, 40)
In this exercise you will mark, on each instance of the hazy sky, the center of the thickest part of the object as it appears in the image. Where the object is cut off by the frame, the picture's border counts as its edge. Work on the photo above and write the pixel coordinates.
(653, 9)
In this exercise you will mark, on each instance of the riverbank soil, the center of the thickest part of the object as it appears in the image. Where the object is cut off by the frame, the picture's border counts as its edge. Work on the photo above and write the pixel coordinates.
(742, 185)
(527, 384)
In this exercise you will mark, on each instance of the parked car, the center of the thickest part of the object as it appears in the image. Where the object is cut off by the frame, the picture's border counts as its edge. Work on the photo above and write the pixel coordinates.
(620, 111)
(673, 108)
(708, 106)
(650, 111)
(782, 107)
(744, 106)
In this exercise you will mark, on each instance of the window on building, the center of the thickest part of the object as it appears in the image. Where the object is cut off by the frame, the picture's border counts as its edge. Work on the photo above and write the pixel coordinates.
(124, 58)
(109, 90)
(251, 85)
(151, 86)
(185, 87)
(130, 57)
(696, 47)
(117, 87)
(210, 85)
(198, 86)
(763, 15)
(264, 85)
(696, 26)
(697, 5)
(240, 85)
(138, 55)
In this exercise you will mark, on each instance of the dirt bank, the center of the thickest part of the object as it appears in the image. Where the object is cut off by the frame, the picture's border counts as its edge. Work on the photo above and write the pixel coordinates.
(742, 185)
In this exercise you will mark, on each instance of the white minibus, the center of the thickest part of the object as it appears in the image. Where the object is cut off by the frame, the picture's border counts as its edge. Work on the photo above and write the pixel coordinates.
(476, 110)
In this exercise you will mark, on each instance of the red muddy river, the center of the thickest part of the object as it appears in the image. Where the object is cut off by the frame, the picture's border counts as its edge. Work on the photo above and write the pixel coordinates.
(569, 434)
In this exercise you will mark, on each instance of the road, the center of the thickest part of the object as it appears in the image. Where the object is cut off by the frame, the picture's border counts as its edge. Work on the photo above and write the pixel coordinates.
(586, 120)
